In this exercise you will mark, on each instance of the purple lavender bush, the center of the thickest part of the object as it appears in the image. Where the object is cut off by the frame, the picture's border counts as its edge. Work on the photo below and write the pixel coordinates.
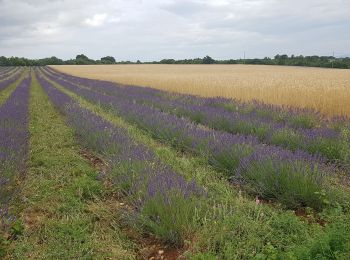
(7, 73)
(226, 152)
(14, 137)
(299, 129)
(287, 179)
(8, 81)
(133, 168)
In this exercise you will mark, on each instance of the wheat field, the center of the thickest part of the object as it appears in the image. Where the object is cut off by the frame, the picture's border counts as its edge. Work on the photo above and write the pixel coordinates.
(326, 90)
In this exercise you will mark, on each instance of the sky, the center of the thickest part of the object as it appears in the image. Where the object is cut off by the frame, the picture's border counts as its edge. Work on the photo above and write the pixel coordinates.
(155, 29)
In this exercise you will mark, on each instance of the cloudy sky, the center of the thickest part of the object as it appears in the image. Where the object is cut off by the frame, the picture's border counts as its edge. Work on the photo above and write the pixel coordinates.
(155, 29)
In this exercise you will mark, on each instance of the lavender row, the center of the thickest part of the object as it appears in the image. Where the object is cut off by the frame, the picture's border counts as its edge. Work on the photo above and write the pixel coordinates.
(324, 141)
(122, 102)
(2, 69)
(5, 83)
(240, 157)
(14, 137)
(289, 116)
(132, 167)
(5, 70)
(321, 140)
(9, 73)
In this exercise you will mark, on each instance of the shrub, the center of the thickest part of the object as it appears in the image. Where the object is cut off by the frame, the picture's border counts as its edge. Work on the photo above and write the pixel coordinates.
(227, 161)
(244, 230)
(287, 138)
(345, 150)
(303, 121)
(293, 184)
(329, 147)
(172, 218)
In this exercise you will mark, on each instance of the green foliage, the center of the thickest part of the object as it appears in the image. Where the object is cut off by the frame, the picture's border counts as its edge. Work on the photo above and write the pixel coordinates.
(240, 127)
(247, 231)
(126, 173)
(81, 59)
(173, 219)
(17, 229)
(167, 61)
(208, 60)
(333, 243)
(108, 60)
(203, 256)
(303, 121)
(345, 147)
(293, 185)
(287, 138)
(331, 148)
(3, 244)
(228, 161)
(244, 230)
(16, 61)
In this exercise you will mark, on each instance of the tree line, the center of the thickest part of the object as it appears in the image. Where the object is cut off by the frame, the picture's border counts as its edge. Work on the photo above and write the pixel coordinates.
(81, 59)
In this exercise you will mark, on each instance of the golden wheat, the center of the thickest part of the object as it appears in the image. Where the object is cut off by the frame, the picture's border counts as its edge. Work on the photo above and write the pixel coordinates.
(326, 90)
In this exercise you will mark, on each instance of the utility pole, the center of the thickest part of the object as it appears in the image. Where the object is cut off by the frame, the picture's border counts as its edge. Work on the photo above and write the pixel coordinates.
(333, 60)
(244, 58)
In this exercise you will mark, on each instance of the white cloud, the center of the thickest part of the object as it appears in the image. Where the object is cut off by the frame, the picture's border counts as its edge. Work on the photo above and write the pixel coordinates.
(96, 20)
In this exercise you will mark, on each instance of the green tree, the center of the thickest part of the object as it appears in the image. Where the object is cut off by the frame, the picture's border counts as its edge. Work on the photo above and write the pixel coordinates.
(208, 60)
(108, 60)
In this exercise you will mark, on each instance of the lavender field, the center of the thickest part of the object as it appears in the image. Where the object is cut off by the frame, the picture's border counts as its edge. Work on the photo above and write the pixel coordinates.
(91, 169)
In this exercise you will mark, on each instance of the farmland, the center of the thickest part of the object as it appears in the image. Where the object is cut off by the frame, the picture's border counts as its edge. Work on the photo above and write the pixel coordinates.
(326, 90)
(92, 169)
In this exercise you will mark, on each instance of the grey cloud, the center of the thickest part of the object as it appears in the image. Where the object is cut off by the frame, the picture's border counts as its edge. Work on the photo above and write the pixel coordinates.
(154, 29)
(184, 8)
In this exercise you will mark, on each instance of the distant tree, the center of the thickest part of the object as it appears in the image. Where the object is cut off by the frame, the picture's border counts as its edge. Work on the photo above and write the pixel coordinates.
(108, 60)
(167, 61)
(70, 62)
(81, 57)
(4, 61)
(208, 60)
(293, 60)
(49, 61)
(16, 61)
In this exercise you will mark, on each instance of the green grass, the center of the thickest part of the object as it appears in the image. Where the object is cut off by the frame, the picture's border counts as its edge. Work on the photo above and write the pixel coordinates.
(64, 211)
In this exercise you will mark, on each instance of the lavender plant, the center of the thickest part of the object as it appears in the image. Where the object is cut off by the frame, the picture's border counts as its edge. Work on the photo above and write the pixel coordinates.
(226, 152)
(284, 178)
(290, 128)
(8, 73)
(13, 145)
(8, 81)
(143, 179)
